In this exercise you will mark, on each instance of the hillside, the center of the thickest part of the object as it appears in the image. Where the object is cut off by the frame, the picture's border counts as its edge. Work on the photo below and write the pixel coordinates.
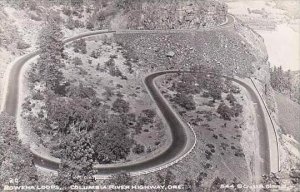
(174, 14)
(22, 21)
(86, 101)
(227, 49)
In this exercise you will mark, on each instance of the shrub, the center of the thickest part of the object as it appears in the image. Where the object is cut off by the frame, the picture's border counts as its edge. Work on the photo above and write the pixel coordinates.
(95, 54)
(77, 61)
(110, 63)
(70, 24)
(35, 17)
(80, 46)
(208, 155)
(78, 24)
(100, 16)
(107, 40)
(239, 153)
(27, 105)
(77, 3)
(82, 71)
(115, 72)
(121, 178)
(295, 176)
(32, 5)
(138, 149)
(120, 106)
(237, 109)
(98, 67)
(205, 94)
(108, 93)
(147, 116)
(216, 185)
(150, 113)
(96, 102)
(235, 89)
(113, 56)
(22, 45)
(89, 25)
(123, 77)
(66, 11)
(37, 96)
(80, 91)
(231, 98)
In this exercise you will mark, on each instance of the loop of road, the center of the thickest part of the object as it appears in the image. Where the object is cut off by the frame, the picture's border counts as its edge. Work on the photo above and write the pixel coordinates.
(183, 136)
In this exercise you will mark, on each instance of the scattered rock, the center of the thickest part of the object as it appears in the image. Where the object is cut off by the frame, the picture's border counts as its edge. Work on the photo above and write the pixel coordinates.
(170, 54)
(34, 16)
(22, 45)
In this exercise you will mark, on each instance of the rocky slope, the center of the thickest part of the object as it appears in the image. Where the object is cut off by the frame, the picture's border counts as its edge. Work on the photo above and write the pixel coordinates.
(174, 14)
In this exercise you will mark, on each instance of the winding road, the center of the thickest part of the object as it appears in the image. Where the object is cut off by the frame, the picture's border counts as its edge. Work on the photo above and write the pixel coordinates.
(183, 136)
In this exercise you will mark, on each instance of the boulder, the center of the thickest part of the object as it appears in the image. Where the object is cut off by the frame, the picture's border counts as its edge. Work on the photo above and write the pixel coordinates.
(170, 54)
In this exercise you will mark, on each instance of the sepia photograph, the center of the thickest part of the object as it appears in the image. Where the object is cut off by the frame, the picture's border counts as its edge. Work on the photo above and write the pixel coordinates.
(150, 95)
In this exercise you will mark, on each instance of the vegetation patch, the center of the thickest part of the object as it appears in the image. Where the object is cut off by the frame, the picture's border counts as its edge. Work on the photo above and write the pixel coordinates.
(216, 117)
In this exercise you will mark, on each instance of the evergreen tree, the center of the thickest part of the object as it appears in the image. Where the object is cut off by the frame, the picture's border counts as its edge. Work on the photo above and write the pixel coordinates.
(16, 160)
(111, 141)
(76, 166)
(281, 81)
(51, 53)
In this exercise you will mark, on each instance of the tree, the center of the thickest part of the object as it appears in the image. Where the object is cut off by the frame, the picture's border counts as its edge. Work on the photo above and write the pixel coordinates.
(215, 86)
(66, 114)
(185, 101)
(77, 61)
(111, 141)
(210, 78)
(280, 80)
(187, 85)
(77, 161)
(16, 160)
(51, 53)
(224, 111)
